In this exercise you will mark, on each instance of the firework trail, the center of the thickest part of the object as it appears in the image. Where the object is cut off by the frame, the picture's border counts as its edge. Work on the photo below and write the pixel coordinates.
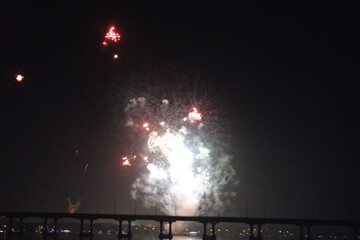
(184, 165)
(84, 171)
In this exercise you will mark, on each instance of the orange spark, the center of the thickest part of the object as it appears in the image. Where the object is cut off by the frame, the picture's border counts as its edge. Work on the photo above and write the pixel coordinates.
(19, 77)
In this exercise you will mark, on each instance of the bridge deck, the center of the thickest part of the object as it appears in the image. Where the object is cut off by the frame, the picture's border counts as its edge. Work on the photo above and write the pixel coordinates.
(167, 218)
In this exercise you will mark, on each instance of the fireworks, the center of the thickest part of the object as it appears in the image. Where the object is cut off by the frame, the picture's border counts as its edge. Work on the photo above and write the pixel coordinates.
(181, 170)
(73, 207)
(146, 126)
(19, 77)
(112, 35)
(126, 160)
(195, 115)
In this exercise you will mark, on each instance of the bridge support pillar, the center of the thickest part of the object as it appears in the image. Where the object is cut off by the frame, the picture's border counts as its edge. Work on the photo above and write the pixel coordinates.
(251, 237)
(45, 232)
(165, 236)
(301, 232)
(21, 228)
(122, 235)
(308, 232)
(213, 236)
(81, 229)
(259, 232)
(10, 227)
(83, 234)
(12, 233)
(204, 234)
(356, 232)
(55, 228)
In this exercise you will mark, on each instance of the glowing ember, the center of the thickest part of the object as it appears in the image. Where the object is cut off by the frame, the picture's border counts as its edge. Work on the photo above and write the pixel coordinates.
(116, 56)
(104, 43)
(146, 126)
(73, 207)
(126, 162)
(195, 115)
(19, 77)
(111, 35)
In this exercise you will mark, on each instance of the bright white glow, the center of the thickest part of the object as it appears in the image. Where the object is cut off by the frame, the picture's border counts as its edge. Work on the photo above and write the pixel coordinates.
(19, 77)
(180, 169)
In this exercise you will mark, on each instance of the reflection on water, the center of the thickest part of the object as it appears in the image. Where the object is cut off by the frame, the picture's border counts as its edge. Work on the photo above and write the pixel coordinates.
(186, 238)
(96, 237)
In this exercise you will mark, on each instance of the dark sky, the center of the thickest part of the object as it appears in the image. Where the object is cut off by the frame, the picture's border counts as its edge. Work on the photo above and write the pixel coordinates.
(290, 71)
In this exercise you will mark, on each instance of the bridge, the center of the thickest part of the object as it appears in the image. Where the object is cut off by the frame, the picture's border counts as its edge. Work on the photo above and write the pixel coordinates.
(303, 224)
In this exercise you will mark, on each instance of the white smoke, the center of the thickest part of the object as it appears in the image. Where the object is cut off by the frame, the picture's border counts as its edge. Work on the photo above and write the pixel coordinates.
(187, 169)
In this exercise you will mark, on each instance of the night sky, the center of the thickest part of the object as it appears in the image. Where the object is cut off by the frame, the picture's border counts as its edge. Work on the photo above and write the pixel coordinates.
(288, 73)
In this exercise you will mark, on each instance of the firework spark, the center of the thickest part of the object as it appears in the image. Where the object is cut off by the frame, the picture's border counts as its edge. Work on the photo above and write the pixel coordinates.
(195, 115)
(19, 77)
(146, 126)
(112, 35)
(126, 160)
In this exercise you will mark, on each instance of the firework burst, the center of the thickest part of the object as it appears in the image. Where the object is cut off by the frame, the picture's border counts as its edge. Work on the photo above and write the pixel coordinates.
(112, 35)
(178, 125)
(182, 166)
